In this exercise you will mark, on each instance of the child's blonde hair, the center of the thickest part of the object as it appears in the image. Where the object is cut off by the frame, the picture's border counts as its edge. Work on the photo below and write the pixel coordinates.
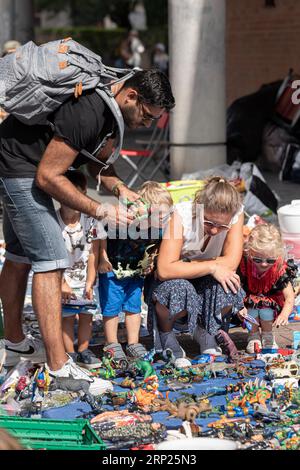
(219, 196)
(266, 237)
(155, 194)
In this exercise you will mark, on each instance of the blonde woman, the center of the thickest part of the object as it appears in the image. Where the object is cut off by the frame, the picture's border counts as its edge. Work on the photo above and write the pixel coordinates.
(197, 263)
(267, 280)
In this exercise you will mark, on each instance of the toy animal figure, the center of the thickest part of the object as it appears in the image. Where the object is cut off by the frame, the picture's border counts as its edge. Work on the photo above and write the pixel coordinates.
(149, 356)
(169, 357)
(144, 368)
(143, 397)
(128, 382)
(69, 385)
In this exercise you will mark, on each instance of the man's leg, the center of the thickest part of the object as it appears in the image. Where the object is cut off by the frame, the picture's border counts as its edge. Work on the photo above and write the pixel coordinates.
(13, 283)
(46, 301)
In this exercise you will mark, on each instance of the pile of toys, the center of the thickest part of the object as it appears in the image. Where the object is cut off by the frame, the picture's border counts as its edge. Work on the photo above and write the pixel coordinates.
(254, 400)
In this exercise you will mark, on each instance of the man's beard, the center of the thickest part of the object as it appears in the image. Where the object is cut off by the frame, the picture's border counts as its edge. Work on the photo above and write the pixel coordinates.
(129, 117)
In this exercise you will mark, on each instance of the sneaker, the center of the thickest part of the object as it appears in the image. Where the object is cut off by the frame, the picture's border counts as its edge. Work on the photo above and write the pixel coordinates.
(117, 351)
(182, 362)
(207, 342)
(136, 351)
(88, 360)
(253, 339)
(268, 340)
(169, 341)
(31, 349)
(73, 378)
(73, 355)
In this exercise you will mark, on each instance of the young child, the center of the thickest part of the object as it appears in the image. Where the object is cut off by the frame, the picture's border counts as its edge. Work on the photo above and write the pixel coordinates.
(122, 292)
(78, 280)
(267, 279)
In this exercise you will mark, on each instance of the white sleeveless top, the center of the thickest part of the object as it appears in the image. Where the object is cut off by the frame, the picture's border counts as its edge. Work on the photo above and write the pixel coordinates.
(193, 233)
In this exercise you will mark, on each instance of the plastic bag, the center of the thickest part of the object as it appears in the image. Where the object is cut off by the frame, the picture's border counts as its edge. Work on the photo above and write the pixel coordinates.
(259, 198)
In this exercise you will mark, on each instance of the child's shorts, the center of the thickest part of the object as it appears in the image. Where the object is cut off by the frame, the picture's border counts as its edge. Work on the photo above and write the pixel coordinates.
(70, 311)
(120, 295)
(265, 314)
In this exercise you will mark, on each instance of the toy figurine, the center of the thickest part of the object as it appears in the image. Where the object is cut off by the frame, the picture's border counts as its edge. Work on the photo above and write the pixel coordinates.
(144, 368)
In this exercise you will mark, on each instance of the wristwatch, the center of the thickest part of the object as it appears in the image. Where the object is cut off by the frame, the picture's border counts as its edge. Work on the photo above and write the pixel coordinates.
(115, 189)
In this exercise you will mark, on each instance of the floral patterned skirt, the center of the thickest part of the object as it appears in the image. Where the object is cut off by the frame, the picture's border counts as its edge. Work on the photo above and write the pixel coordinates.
(203, 299)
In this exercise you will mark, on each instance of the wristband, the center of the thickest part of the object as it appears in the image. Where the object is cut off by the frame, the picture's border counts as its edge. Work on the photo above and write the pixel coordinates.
(115, 188)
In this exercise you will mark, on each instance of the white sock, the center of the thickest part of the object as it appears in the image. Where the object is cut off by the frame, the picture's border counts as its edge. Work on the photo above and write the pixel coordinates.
(15, 345)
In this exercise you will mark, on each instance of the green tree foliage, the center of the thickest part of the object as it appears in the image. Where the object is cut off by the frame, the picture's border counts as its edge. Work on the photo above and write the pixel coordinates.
(91, 12)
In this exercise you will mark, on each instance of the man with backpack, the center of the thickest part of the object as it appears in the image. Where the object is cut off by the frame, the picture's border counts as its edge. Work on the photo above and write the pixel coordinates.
(33, 161)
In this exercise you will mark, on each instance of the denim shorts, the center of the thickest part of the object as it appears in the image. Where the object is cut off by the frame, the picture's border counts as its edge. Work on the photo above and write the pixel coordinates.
(265, 314)
(31, 230)
(120, 295)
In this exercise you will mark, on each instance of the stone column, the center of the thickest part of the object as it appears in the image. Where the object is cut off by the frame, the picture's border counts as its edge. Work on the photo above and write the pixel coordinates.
(197, 74)
(5, 22)
(24, 20)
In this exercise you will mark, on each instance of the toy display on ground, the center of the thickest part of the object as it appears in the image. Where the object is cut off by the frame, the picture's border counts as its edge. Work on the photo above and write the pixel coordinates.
(253, 401)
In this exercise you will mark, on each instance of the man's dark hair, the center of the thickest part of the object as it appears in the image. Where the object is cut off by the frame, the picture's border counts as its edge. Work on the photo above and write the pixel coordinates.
(77, 178)
(153, 87)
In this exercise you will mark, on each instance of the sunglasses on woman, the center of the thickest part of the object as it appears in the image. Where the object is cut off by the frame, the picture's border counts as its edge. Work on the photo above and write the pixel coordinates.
(258, 260)
(211, 224)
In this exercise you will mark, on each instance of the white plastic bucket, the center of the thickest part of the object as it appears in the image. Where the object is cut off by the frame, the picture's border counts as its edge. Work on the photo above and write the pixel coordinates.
(289, 218)
(199, 443)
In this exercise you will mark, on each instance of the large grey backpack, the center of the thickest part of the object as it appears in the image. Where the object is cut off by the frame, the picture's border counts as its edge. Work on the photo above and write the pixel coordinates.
(36, 80)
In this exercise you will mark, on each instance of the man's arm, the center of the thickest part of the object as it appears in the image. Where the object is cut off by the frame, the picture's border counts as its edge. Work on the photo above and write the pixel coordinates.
(58, 157)
(56, 160)
(109, 178)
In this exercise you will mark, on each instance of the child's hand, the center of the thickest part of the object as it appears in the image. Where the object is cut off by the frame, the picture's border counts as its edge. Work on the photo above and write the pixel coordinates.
(105, 266)
(67, 293)
(281, 320)
(89, 292)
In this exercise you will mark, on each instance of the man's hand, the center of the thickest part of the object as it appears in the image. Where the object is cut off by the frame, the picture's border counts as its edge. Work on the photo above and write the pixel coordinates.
(126, 193)
(67, 293)
(114, 215)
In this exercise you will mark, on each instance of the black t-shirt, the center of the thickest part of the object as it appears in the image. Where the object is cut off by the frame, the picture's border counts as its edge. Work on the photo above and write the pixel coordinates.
(82, 123)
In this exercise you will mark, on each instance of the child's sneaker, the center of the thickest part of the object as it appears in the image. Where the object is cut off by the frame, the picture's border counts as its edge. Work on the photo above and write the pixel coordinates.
(136, 351)
(268, 340)
(88, 360)
(253, 338)
(71, 375)
(31, 349)
(207, 342)
(117, 351)
(73, 356)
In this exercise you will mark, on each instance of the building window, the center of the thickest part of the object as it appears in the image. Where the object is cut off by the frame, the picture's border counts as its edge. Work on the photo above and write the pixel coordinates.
(270, 3)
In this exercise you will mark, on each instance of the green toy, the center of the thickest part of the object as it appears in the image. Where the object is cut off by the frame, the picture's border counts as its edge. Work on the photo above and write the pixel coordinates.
(144, 368)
